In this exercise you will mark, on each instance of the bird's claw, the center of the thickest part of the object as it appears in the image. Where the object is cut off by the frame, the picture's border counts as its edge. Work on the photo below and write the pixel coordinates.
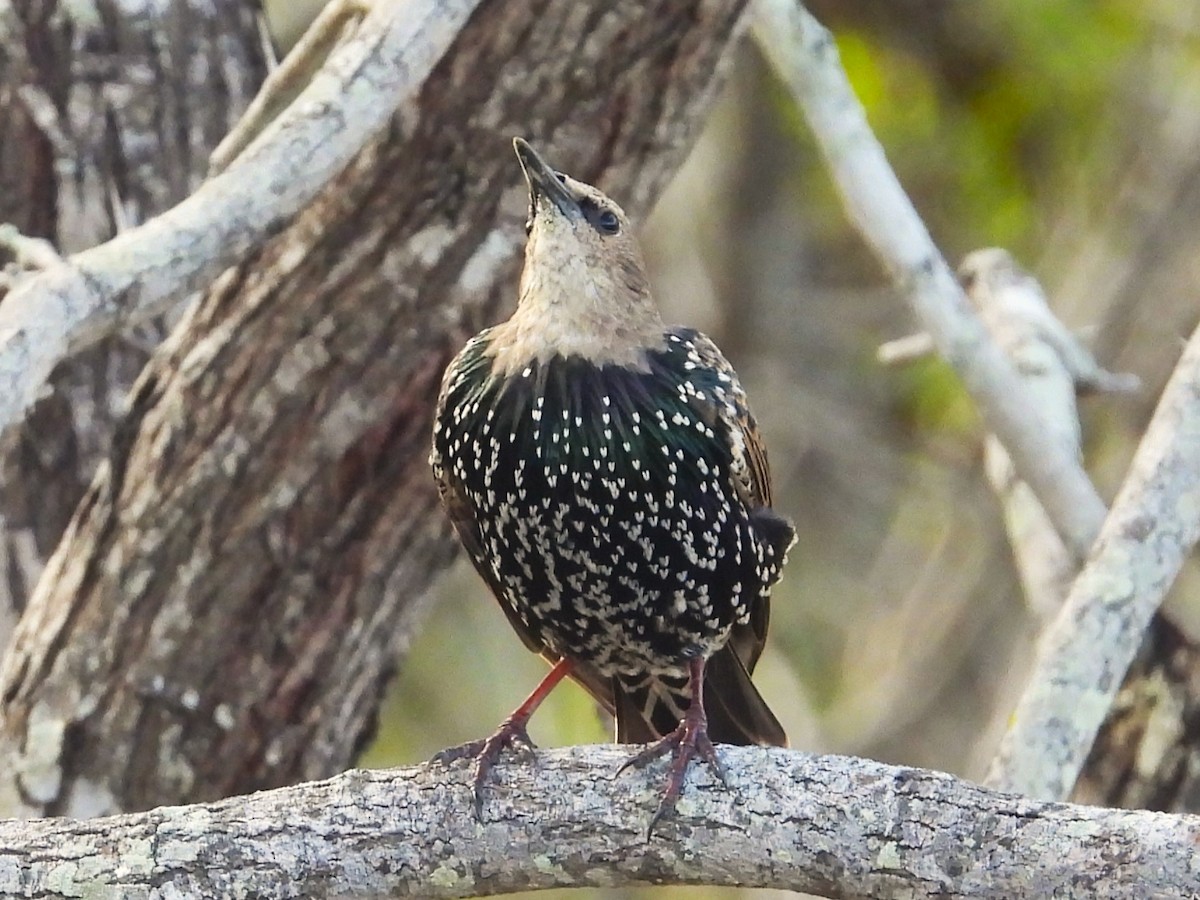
(486, 752)
(687, 742)
(469, 750)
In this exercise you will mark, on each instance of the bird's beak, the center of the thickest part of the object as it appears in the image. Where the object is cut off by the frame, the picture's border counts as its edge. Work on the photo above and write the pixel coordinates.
(544, 183)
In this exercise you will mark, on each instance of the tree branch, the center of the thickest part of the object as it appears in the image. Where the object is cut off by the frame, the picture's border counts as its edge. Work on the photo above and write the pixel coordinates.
(165, 80)
(830, 825)
(1154, 523)
(1054, 367)
(1142, 757)
(139, 273)
(805, 56)
(1089, 647)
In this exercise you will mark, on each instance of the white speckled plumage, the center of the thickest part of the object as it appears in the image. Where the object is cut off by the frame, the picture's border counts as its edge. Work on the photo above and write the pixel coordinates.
(607, 479)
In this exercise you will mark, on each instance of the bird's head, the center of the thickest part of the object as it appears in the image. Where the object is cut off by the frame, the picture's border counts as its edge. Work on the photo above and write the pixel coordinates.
(584, 289)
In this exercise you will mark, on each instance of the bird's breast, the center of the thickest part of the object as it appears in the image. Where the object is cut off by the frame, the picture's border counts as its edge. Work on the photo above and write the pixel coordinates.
(605, 507)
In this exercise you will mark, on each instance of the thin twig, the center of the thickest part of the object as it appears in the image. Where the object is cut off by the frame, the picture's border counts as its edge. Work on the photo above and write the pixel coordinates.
(906, 349)
(287, 79)
(27, 253)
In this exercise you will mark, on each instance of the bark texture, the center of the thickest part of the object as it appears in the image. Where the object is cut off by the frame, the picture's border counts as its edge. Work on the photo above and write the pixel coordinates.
(375, 72)
(1086, 652)
(1147, 754)
(106, 119)
(832, 826)
(229, 599)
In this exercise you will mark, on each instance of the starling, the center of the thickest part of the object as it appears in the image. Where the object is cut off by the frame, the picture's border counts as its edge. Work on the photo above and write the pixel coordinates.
(609, 483)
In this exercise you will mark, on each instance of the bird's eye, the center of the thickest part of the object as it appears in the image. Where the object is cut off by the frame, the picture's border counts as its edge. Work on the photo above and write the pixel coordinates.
(603, 219)
(561, 177)
(606, 220)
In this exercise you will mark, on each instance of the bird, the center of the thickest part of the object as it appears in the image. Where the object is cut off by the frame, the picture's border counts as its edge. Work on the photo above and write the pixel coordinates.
(608, 481)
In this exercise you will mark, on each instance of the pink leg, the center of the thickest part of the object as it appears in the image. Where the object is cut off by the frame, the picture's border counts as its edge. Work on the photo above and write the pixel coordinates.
(512, 731)
(686, 742)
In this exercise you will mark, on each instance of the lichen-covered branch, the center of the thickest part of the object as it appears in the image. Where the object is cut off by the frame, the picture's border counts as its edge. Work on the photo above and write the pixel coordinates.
(833, 826)
(1083, 657)
(806, 58)
(137, 274)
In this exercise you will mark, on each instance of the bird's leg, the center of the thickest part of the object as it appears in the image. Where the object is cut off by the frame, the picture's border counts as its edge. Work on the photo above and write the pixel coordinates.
(687, 741)
(512, 731)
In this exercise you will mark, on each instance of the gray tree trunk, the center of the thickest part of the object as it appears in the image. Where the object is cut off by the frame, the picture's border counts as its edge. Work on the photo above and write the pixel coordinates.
(232, 592)
(106, 119)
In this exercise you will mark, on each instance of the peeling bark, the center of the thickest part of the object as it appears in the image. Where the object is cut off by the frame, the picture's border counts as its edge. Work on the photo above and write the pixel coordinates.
(231, 594)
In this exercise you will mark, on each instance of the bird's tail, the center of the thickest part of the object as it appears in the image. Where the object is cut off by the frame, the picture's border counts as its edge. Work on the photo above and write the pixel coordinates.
(646, 710)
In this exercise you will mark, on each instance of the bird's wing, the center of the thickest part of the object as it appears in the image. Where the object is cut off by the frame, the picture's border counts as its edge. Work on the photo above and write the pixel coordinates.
(463, 520)
(756, 458)
(468, 369)
(751, 473)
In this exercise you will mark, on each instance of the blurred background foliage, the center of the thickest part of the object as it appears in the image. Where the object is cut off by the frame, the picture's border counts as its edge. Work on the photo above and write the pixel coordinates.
(1066, 132)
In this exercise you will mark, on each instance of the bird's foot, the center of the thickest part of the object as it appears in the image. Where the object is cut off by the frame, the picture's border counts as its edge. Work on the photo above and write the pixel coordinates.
(511, 733)
(486, 752)
(688, 741)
